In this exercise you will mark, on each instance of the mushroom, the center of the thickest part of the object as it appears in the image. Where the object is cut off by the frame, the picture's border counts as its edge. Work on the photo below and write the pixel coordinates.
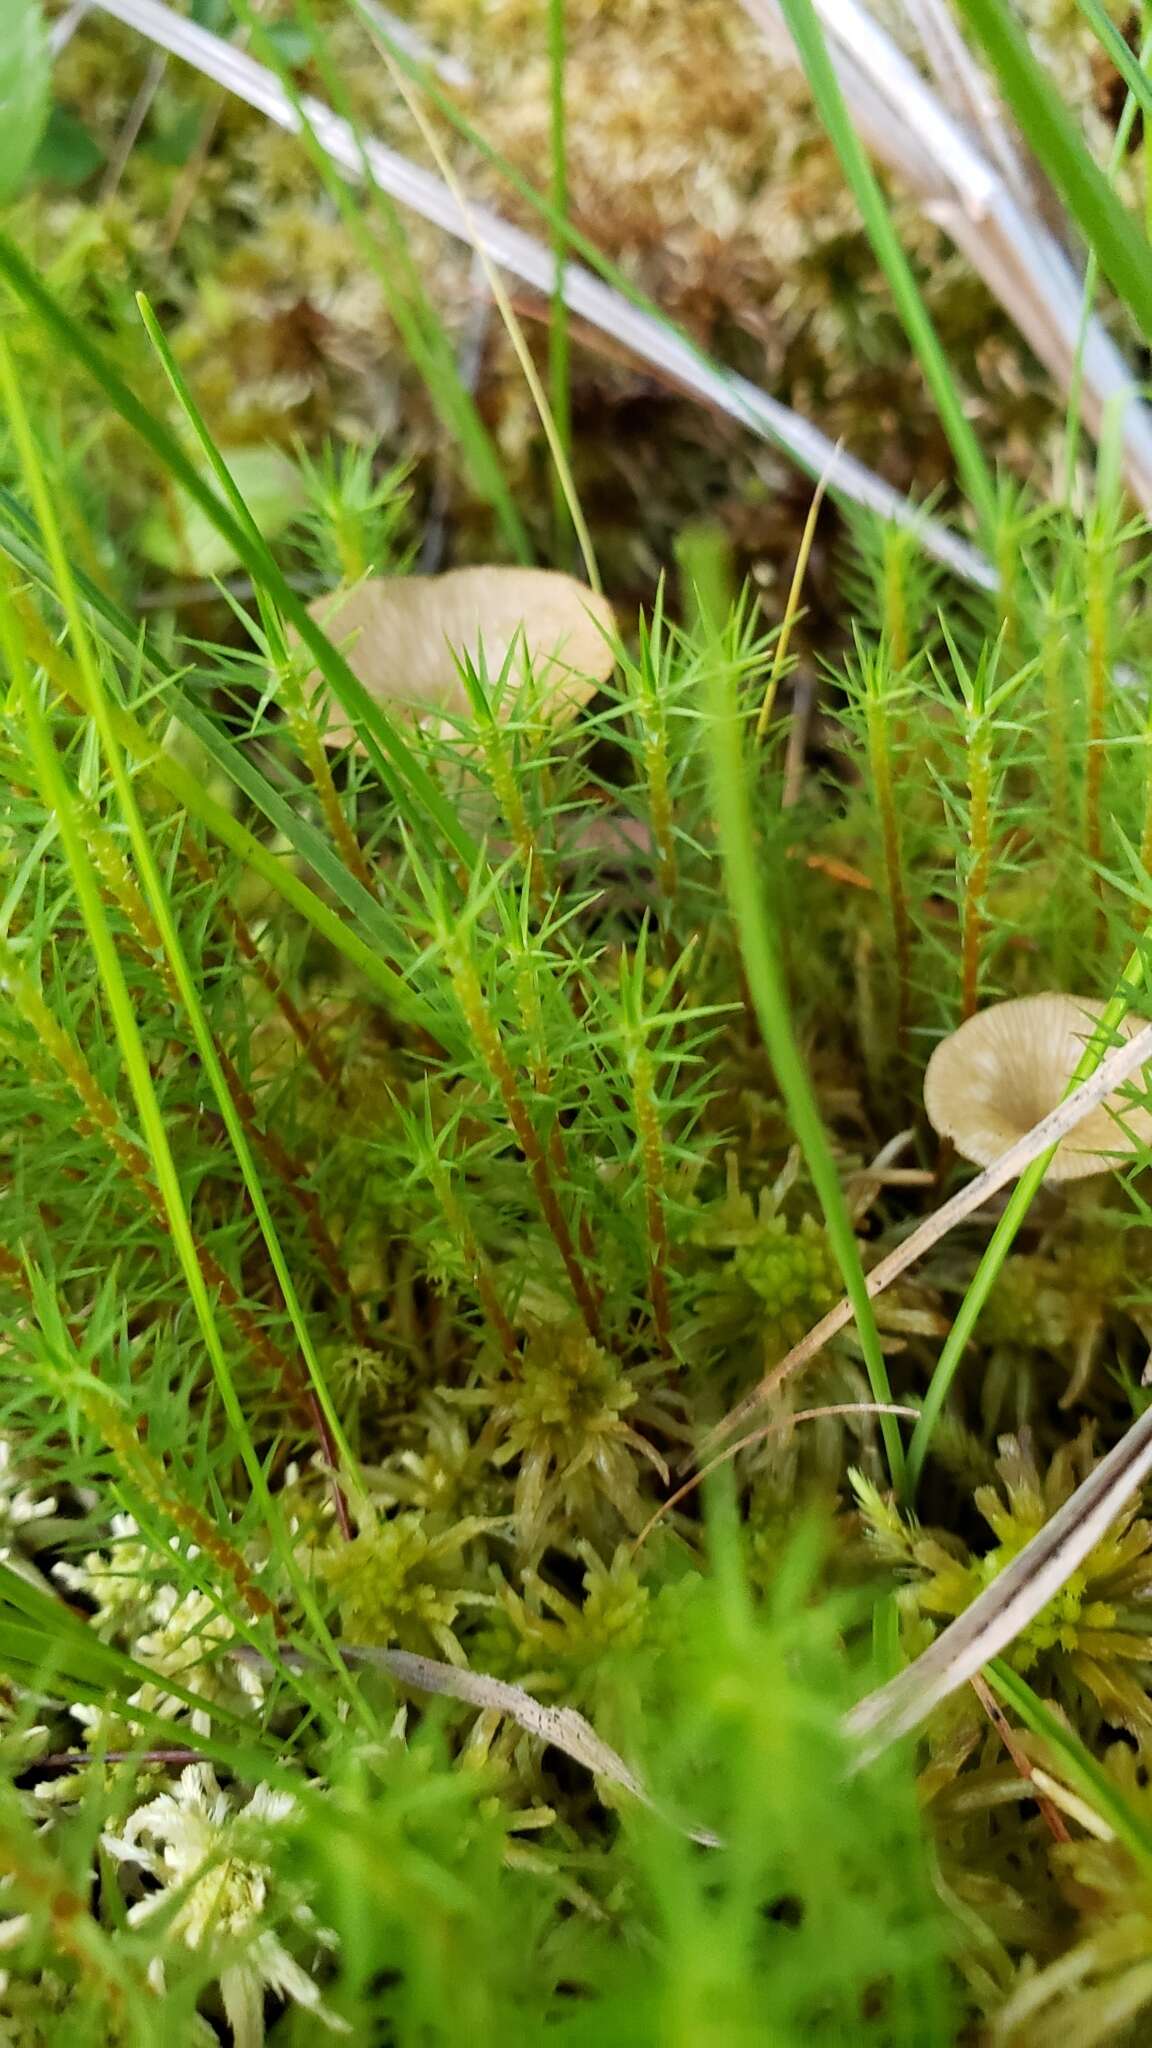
(405, 637)
(1007, 1066)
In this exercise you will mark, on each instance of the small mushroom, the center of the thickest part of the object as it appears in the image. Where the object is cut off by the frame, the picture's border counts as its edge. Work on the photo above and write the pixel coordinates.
(405, 636)
(1006, 1067)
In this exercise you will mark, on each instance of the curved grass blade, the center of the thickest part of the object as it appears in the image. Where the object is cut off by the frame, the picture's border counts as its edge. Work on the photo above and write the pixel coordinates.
(1120, 247)
(149, 871)
(45, 1646)
(381, 938)
(57, 797)
(766, 981)
(398, 275)
(403, 775)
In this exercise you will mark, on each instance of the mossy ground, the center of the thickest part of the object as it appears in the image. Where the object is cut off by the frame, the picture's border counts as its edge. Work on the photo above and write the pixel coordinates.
(528, 1164)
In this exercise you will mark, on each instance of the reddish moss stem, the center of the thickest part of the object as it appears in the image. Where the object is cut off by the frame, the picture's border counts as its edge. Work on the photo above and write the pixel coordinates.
(482, 1276)
(315, 759)
(290, 1173)
(1099, 628)
(652, 1160)
(979, 864)
(479, 1021)
(228, 915)
(103, 1119)
(879, 740)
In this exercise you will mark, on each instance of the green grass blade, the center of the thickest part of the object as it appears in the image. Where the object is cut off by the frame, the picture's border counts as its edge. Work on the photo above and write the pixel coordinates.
(58, 799)
(380, 939)
(43, 1644)
(1119, 245)
(157, 895)
(186, 789)
(1081, 1768)
(417, 322)
(766, 981)
(1125, 60)
(808, 36)
(394, 760)
(25, 77)
(559, 366)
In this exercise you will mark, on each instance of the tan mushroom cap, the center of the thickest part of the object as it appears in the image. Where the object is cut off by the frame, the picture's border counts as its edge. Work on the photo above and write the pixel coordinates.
(1009, 1065)
(403, 637)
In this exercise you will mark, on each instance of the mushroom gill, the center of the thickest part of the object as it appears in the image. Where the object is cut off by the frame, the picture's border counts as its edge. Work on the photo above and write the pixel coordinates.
(1007, 1066)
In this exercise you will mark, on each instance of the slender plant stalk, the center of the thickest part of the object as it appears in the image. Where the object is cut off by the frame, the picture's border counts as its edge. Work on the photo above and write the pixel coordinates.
(478, 1018)
(102, 1118)
(483, 1278)
(979, 862)
(761, 955)
(878, 729)
(238, 929)
(1146, 819)
(559, 380)
(291, 1173)
(1057, 712)
(58, 797)
(1011, 568)
(508, 787)
(894, 598)
(778, 666)
(397, 272)
(1057, 720)
(301, 720)
(654, 736)
(154, 1485)
(544, 1083)
(1099, 592)
(512, 326)
(650, 1131)
(808, 36)
(183, 789)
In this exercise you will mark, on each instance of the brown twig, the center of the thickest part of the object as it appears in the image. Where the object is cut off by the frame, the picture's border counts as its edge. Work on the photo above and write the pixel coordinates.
(991, 1705)
(758, 1436)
